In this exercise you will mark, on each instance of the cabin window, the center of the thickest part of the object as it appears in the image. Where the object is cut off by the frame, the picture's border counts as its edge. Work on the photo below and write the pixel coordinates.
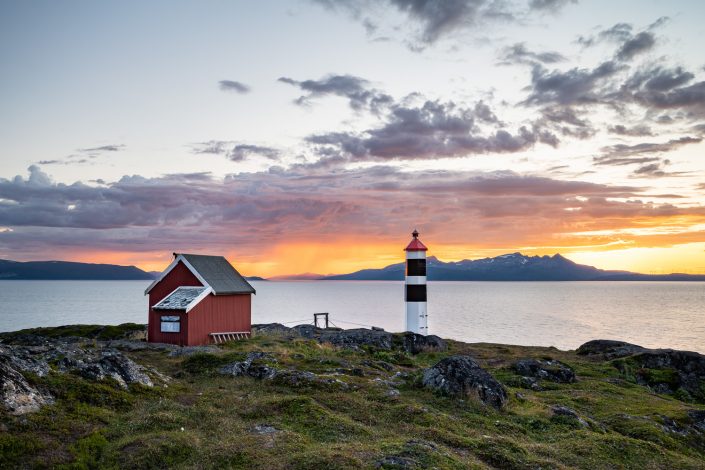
(416, 267)
(416, 292)
(171, 324)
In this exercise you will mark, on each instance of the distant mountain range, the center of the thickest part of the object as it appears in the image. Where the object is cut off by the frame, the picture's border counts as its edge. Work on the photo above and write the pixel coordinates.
(70, 271)
(511, 267)
(66, 270)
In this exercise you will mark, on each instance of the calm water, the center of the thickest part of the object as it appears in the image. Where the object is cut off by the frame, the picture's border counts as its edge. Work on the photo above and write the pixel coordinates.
(561, 314)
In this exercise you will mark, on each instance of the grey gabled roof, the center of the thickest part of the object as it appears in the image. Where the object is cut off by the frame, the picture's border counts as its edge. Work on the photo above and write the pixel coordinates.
(180, 298)
(219, 274)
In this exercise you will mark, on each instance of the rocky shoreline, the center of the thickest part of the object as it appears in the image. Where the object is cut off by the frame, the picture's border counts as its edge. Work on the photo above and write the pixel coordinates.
(394, 364)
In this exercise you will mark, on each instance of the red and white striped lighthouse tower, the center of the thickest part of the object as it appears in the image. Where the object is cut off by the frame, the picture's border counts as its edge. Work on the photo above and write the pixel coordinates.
(415, 296)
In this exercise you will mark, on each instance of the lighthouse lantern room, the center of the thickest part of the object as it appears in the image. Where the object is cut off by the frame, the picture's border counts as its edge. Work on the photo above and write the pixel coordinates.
(415, 286)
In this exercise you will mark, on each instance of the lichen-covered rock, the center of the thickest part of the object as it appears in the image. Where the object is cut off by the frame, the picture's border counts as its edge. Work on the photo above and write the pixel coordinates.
(461, 376)
(609, 349)
(253, 366)
(356, 338)
(668, 371)
(545, 369)
(16, 394)
(698, 419)
(107, 363)
(414, 343)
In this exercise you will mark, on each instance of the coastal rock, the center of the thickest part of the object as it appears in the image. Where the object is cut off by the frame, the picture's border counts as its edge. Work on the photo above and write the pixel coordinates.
(108, 363)
(414, 343)
(461, 376)
(545, 369)
(253, 366)
(16, 394)
(270, 329)
(23, 360)
(667, 371)
(356, 338)
(698, 419)
(608, 349)
(559, 410)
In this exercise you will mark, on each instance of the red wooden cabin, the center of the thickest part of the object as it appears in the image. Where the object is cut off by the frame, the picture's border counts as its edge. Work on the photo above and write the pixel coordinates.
(198, 300)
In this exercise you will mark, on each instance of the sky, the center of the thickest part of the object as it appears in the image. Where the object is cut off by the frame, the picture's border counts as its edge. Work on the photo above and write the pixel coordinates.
(315, 135)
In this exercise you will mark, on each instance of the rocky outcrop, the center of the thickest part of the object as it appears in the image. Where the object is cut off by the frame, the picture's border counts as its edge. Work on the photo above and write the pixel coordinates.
(352, 339)
(17, 396)
(544, 369)
(104, 364)
(41, 355)
(414, 343)
(461, 376)
(608, 349)
(255, 366)
(663, 370)
(565, 412)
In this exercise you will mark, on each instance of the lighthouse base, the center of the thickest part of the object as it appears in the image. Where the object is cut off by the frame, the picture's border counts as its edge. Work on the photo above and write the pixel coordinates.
(416, 318)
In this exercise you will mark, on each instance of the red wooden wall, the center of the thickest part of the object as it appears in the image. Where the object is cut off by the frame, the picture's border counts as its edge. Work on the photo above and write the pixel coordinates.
(219, 314)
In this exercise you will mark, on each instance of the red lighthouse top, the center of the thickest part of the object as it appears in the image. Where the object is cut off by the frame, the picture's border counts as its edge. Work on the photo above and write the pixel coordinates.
(415, 244)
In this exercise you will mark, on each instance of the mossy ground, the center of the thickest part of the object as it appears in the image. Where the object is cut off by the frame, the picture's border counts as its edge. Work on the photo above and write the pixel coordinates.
(204, 420)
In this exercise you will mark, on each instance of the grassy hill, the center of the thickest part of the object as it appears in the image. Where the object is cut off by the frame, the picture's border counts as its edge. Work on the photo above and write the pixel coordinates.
(369, 412)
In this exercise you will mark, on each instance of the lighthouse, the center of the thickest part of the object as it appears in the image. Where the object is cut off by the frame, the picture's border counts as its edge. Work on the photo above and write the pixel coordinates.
(415, 286)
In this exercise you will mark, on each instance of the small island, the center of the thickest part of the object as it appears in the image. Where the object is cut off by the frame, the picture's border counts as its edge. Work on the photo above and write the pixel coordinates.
(89, 396)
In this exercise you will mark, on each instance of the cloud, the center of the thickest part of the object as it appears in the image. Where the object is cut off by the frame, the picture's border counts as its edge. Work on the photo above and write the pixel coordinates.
(574, 86)
(355, 89)
(235, 151)
(104, 148)
(256, 212)
(519, 54)
(233, 86)
(552, 6)
(431, 130)
(429, 21)
(642, 42)
(633, 131)
(623, 154)
(83, 155)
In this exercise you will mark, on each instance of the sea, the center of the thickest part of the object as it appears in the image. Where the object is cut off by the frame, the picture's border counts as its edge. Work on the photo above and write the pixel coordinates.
(560, 314)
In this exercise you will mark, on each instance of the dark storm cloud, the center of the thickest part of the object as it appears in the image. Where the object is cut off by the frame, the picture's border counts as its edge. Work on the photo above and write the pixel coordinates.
(234, 151)
(519, 54)
(355, 89)
(431, 130)
(437, 19)
(233, 86)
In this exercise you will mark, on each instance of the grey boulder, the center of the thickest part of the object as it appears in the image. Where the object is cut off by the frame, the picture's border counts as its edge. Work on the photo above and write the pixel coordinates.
(460, 376)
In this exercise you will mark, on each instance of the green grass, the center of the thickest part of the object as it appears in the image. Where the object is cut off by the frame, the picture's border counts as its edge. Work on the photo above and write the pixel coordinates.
(98, 332)
(204, 420)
